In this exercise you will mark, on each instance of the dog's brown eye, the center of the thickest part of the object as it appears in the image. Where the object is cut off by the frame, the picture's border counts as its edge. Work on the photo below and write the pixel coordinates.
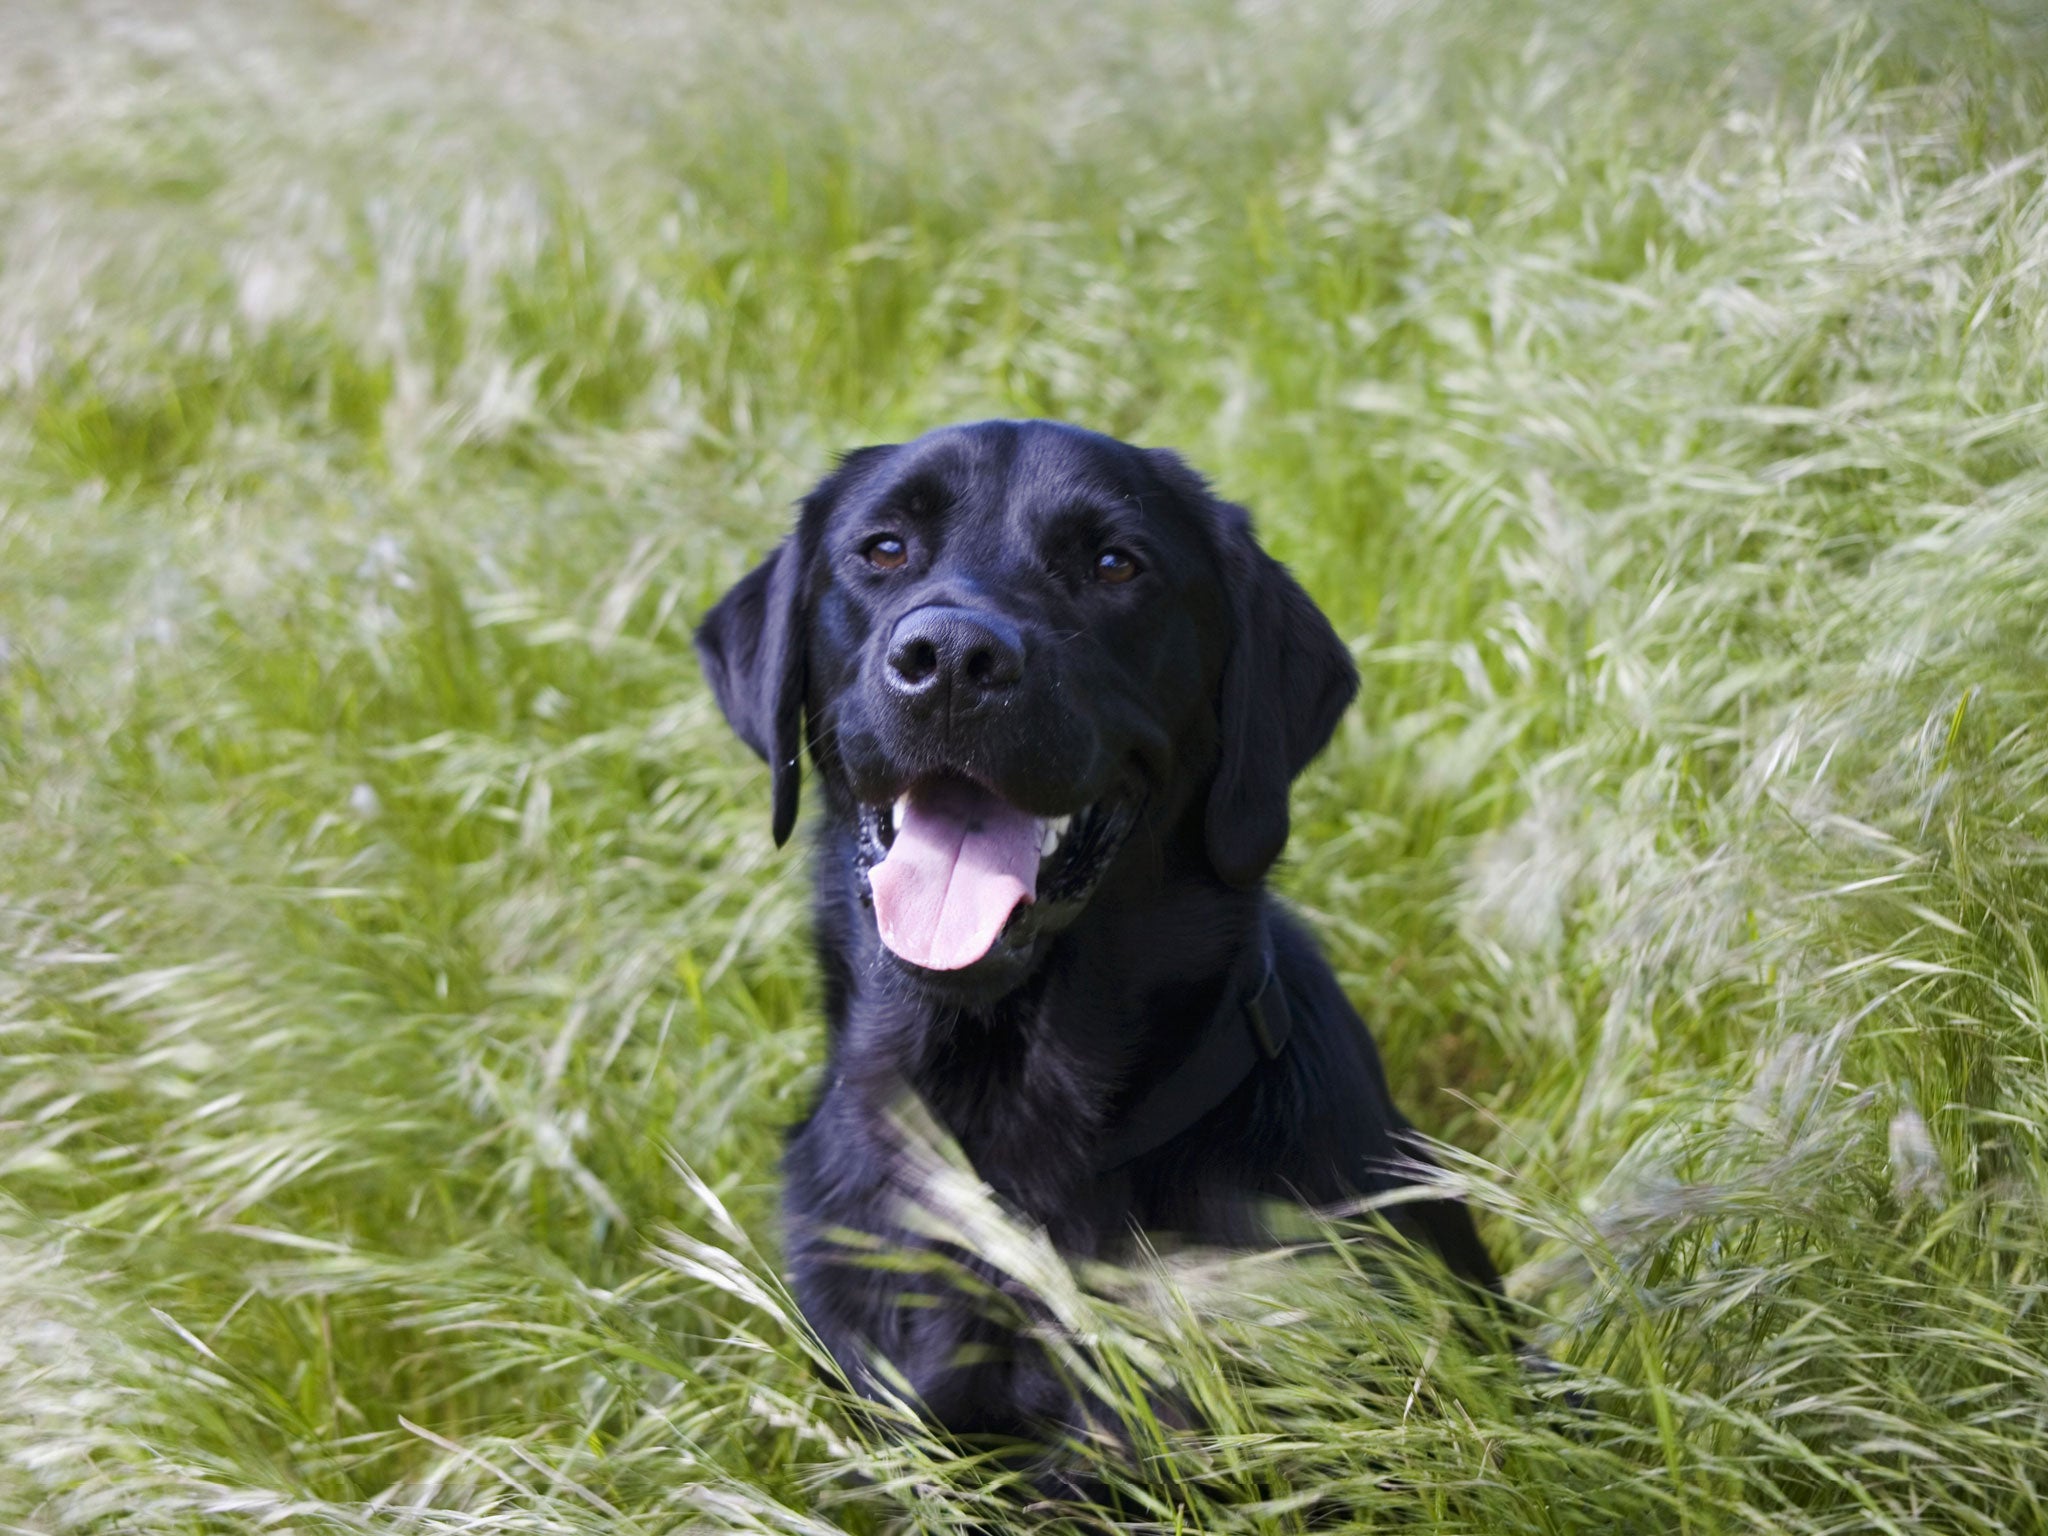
(1115, 565)
(885, 552)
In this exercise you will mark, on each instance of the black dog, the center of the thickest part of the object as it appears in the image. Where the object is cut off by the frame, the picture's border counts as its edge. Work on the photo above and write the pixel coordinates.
(1055, 696)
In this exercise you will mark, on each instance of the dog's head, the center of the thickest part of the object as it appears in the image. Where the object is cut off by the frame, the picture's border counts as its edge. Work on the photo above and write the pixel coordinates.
(1013, 645)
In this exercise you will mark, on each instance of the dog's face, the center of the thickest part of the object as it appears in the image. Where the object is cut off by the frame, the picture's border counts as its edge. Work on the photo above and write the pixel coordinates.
(1016, 644)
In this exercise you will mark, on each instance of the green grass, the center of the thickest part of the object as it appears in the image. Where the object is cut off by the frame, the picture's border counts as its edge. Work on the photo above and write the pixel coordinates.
(400, 998)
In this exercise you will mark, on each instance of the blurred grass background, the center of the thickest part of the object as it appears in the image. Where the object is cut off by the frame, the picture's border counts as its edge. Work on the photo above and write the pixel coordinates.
(400, 999)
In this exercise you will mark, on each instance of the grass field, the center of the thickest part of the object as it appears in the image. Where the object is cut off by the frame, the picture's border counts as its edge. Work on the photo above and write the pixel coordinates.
(400, 997)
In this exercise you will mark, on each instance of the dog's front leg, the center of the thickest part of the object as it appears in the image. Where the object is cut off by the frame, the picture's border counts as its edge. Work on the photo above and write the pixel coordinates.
(905, 1319)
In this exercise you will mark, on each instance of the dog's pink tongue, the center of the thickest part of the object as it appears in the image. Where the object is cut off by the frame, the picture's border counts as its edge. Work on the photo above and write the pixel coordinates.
(961, 862)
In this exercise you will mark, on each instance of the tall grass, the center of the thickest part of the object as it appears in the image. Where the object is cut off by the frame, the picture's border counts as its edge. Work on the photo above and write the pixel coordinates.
(401, 997)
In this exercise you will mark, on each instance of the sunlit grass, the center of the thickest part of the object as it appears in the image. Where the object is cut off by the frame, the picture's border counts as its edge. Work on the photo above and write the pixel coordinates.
(400, 996)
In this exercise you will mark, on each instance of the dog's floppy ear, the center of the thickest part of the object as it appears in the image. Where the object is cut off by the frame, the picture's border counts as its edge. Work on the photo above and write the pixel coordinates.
(752, 644)
(1286, 680)
(752, 648)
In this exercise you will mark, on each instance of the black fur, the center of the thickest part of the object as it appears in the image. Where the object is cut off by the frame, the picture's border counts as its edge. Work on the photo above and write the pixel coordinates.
(1191, 695)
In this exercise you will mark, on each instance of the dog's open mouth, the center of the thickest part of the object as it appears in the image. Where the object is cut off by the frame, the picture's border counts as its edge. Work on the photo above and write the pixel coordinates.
(952, 866)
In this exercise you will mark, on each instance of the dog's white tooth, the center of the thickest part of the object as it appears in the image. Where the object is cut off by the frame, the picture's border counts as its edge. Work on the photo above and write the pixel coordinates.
(896, 813)
(1051, 833)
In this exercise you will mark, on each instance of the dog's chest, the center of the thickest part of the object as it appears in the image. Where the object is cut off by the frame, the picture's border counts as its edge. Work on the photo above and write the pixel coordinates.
(1025, 1104)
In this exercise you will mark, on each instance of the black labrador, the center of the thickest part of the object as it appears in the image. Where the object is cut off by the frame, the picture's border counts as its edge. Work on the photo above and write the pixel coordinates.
(1055, 695)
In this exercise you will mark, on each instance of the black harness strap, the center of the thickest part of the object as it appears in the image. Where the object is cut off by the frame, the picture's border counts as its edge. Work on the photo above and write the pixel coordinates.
(1243, 1033)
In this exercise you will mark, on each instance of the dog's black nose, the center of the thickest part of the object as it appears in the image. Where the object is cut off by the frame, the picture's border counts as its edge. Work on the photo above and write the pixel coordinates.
(956, 651)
